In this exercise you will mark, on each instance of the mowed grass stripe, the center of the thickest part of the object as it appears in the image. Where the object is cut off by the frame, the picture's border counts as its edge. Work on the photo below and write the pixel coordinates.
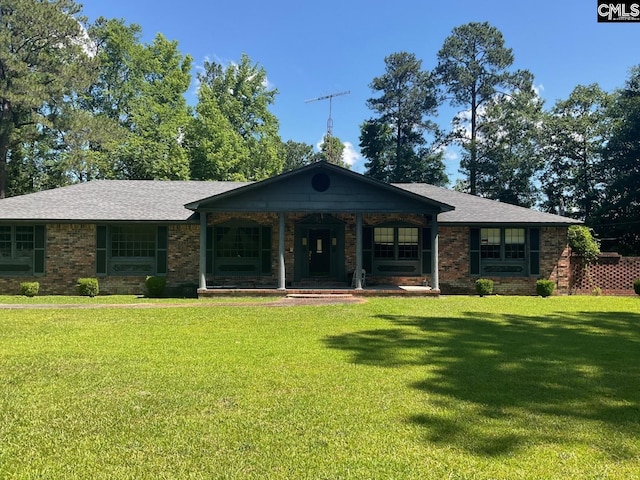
(456, 387)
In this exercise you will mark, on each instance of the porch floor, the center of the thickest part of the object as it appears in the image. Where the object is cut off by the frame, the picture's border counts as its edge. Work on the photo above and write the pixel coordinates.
(369, 291)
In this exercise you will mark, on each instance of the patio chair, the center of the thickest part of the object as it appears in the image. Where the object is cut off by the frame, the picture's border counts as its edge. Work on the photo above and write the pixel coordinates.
(363, 280)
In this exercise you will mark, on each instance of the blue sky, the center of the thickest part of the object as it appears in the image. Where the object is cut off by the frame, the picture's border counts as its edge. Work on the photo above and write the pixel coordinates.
(312, 49)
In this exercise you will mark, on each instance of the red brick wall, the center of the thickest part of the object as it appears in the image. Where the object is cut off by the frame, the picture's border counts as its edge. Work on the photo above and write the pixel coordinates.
(612, 274)
(70, 254)
(454, 264)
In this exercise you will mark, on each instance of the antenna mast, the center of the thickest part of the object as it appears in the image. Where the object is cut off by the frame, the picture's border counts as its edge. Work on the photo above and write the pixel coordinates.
(330, 120)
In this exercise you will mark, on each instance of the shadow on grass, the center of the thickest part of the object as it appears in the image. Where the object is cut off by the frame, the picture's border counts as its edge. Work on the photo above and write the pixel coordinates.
(495, 382)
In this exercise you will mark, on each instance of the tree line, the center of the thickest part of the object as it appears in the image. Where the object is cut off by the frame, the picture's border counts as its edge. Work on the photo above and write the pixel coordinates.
(80, 102)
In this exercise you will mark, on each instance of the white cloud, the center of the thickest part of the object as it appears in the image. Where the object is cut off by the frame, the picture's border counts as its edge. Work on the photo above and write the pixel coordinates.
(349, 155)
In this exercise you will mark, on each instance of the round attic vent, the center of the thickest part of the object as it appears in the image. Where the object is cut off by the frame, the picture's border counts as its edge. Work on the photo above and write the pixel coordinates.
(320, 182)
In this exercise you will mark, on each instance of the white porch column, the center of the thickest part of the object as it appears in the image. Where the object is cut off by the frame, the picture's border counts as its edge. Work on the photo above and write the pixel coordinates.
(282, 281)
(202, 284)
(358, 272)
(434, 254)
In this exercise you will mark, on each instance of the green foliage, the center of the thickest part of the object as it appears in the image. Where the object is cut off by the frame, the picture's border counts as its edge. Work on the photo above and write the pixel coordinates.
(545, 288)
(484, 286)
(29, 289)
(88, 287)
(509, 151)
(277, 393)
(297, 154)
(141, 91)
(636, 286)
(472, 69)
(574, 132)
(394, 143)
(44, 61)
(331, 150)
(234, 136)
(583, 243)
(155, 286)
(619, 213)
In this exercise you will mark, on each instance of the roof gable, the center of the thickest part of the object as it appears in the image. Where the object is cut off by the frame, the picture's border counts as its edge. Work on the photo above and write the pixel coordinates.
(320, 187)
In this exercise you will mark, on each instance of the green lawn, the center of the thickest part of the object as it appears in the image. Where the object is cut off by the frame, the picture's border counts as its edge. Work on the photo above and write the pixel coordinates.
(455, 388)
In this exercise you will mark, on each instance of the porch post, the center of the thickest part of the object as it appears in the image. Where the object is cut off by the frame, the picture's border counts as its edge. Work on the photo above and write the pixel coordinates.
(203, 251)
(282, 284)
(434, 254)
(358, 272)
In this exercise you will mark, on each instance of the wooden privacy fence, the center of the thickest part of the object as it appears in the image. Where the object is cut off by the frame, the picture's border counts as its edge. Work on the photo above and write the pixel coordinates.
(612, 274)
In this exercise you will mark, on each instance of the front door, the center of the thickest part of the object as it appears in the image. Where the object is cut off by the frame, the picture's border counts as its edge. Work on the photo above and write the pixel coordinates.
(319, 252)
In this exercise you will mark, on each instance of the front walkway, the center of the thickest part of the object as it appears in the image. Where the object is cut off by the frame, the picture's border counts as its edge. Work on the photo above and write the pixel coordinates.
(373, 291)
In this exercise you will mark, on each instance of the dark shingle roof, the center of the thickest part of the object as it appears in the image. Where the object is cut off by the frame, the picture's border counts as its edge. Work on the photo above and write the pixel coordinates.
(157, 201)
(470, 209)
(113, 200)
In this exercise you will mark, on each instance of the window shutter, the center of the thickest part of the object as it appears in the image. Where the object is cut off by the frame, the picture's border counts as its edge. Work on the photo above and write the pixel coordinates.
(161, 250)
(209, 268)
(426, 250)
(39, 249)
(265, 251)
(474, 251)
(101, 250)
(534, 251)
(367, 249)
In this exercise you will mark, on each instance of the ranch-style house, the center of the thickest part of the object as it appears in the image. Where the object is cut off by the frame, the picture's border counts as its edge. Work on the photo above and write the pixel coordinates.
(317, 225)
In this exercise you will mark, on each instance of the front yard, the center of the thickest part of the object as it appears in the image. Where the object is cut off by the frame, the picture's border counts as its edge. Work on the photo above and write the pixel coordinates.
(455, 387)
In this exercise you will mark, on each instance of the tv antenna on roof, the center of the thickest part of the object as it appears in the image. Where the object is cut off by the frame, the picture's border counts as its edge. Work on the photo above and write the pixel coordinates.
(330, 120)
(330, 98)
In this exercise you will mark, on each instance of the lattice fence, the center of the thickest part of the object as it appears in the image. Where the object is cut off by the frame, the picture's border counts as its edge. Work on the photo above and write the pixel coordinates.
(612, 274)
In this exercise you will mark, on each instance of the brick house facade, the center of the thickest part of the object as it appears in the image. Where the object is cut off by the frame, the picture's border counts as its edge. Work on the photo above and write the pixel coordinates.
(320, 221)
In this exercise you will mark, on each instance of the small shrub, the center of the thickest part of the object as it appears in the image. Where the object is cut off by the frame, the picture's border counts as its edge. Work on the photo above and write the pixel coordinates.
(88, 287)
(155, 286)
(596, 292)
(545, 288)
(636, 286)
(484, 286)
(29, 289)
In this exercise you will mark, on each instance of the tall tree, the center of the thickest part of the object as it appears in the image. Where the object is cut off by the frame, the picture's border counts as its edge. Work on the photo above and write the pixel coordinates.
(394, 142)
(576, 130)
(331, 150)
(619, 213)
(297, 154)
(472, 69)
(216, 150)
(141, 89)
(242, 96)
(508, 149)
(44, 57)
